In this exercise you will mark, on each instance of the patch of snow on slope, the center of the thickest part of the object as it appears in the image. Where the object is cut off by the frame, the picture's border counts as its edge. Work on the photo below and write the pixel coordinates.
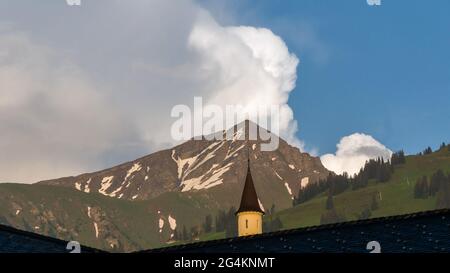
(215, 178)
(273, 158)
(234, 152)
(146, 178)
(182, 162)
(261, 205)
(148, 168)
(89, 211)
(134, 197)
(210, 178)
(238, 134)
(78, 186)
(113, 194)
(278, 175)
(86, 186)
(106, 183)
(253, 147)
(291, 166)
(136, 167)
(160, 224)
(304, 182)
(288, 189)
(207, 157)
(96, 230)
(17, 212)
(172, 223)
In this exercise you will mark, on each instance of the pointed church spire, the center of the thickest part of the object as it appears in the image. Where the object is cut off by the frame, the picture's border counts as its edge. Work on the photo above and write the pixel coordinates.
(249, 199)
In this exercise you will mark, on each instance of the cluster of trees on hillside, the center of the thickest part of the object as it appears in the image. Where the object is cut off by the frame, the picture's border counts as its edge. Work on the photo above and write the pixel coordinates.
(366, 213)
(186, 235)
(398, 158)
(225, 221)
(437, 185)
(428, 150)
(331, 215)
(374, 169)
(378, 169)
(272, 223)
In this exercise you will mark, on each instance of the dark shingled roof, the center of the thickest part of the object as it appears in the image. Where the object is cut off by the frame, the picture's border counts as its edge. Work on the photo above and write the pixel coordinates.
(249, 199)
(13, 240)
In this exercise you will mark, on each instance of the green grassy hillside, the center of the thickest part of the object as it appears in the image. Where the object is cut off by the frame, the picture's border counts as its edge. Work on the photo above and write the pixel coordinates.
(395, 196)
(121, 225)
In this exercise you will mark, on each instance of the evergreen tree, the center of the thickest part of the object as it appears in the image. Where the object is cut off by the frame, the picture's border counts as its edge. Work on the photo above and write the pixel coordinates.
(383, 172)
(443, 145)
(185, 235)
(221, 220)
(428, 151)
(361, 180)
(398, 158)
(231, 224)
(272, 209)
(207, 225)
(421, 189)
(437, 179)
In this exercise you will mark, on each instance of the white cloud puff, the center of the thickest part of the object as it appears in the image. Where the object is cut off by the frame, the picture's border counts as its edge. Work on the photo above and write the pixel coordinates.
(352, 153)
(247, 66)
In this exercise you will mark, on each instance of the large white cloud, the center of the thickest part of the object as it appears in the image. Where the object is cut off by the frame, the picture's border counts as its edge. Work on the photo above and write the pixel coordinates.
(352, 153)
(247, 66)
(94, 86)
(53, 119)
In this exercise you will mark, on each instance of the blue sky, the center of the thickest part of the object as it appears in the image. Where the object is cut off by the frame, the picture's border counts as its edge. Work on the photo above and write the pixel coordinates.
(383, 71)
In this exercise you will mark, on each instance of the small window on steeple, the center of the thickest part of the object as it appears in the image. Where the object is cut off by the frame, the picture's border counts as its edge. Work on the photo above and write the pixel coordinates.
(246, 223)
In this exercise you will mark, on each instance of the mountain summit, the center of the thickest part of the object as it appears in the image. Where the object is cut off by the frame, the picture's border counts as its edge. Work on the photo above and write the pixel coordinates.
(204, 165)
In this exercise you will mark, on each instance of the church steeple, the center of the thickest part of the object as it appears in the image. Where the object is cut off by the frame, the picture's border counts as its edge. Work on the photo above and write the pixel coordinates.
(249, 199)
(249, 213)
